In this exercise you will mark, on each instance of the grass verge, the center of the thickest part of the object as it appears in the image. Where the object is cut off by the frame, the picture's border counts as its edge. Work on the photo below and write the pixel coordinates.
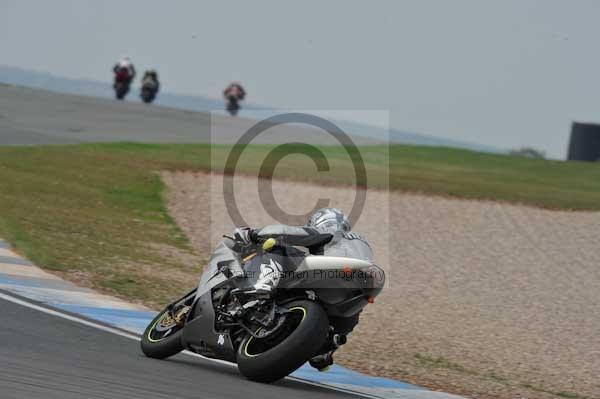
(96, 212)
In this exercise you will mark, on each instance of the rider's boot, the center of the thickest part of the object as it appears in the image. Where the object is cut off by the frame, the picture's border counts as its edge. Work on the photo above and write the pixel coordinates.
(268, 279)
(322, 362)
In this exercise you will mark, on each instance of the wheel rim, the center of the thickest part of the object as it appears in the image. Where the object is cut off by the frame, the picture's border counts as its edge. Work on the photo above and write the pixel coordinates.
(254, 346)
(163, 327)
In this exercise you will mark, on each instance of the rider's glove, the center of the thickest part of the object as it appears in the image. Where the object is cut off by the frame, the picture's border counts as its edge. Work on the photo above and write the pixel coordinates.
(243, 235)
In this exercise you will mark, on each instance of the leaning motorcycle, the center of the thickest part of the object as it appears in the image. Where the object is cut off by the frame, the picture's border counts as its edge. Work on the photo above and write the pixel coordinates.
(268, 335)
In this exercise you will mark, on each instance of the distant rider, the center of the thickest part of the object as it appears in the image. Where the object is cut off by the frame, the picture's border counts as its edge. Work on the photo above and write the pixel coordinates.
(150, 80)
(234, 91)
(124, 71)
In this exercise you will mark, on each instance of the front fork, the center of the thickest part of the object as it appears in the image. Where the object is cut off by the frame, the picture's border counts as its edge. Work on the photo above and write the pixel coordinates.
(180, 309)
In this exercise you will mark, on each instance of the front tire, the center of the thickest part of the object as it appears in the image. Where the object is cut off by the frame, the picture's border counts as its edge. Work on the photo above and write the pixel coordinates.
(258, 361)
(158, 342)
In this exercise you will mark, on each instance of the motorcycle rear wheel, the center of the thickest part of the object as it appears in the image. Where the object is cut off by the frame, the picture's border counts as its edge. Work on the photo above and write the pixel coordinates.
(272, 358)
(121, 90)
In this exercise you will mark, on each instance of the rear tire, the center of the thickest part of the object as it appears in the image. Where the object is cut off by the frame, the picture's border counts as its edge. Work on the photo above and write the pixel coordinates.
(121, 90)
(287, 356)
(161, 348)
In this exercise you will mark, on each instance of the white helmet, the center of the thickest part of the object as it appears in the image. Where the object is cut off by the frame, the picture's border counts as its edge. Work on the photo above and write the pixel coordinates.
(124, 62)
(329, 220)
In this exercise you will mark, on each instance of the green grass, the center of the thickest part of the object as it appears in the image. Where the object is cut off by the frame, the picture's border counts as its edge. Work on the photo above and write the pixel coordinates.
(448, 172)
(91, 209)
(549, 184)
(452, 172)
(98, 209)
(430, 170)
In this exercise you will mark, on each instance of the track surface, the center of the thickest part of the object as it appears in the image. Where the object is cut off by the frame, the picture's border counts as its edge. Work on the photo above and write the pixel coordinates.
(32, 116)
(49, 357)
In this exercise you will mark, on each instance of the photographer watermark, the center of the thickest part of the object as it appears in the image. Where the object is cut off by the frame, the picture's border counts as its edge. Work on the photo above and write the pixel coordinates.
(276, 154)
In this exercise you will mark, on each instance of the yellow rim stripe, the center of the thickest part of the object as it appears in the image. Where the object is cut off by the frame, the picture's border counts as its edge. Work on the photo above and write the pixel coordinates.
(152, 329)
(251, 338)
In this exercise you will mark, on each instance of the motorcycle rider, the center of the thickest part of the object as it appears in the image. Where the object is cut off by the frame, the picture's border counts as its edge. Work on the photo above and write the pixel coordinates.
(327, 232)
(124, 71)
(150, 80)
(234, 91)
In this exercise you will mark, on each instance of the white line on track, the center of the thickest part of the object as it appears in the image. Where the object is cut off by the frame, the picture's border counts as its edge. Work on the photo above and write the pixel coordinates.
(137, 338)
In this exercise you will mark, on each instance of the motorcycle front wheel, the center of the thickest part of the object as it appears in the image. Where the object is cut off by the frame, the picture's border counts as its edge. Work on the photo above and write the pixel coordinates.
(162, 337)
(273, 357)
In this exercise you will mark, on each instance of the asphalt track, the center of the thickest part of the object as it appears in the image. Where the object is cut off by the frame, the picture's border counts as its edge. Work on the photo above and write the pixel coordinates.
(32, 116)
(48, 357)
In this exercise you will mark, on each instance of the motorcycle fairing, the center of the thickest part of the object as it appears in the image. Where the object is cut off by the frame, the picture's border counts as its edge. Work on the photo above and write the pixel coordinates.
(199, 334)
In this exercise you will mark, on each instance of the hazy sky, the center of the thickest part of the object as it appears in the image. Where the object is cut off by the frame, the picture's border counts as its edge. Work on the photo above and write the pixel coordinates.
(507, 73)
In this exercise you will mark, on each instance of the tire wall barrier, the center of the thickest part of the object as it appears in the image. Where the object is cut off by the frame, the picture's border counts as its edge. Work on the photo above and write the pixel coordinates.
(585, 142)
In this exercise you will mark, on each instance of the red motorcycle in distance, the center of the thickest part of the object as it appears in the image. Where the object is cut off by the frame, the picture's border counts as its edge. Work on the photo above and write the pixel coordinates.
(234, 93)
(122, 83)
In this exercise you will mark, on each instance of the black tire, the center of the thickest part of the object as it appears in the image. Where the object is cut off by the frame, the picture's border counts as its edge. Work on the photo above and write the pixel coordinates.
(147, 96)
(292, 352)
(121, 91)
(163, 347)
(233, 107)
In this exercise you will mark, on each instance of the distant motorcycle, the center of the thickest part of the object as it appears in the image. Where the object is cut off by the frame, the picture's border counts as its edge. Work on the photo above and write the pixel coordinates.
(268, 337)
(122, 83)
(234, 93)
(150, 86)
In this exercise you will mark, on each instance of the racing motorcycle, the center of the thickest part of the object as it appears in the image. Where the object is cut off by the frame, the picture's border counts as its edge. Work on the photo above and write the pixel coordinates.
(122, 83)
(268, 335)
(234, 94)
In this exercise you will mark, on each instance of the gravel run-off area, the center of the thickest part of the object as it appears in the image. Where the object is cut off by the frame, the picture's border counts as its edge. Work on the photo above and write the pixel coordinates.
(482, 299)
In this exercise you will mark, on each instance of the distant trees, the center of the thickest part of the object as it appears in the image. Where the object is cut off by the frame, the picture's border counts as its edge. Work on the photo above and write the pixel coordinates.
(528, 152)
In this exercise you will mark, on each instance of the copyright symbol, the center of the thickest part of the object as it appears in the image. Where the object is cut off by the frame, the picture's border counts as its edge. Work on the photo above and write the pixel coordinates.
(267, 168)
